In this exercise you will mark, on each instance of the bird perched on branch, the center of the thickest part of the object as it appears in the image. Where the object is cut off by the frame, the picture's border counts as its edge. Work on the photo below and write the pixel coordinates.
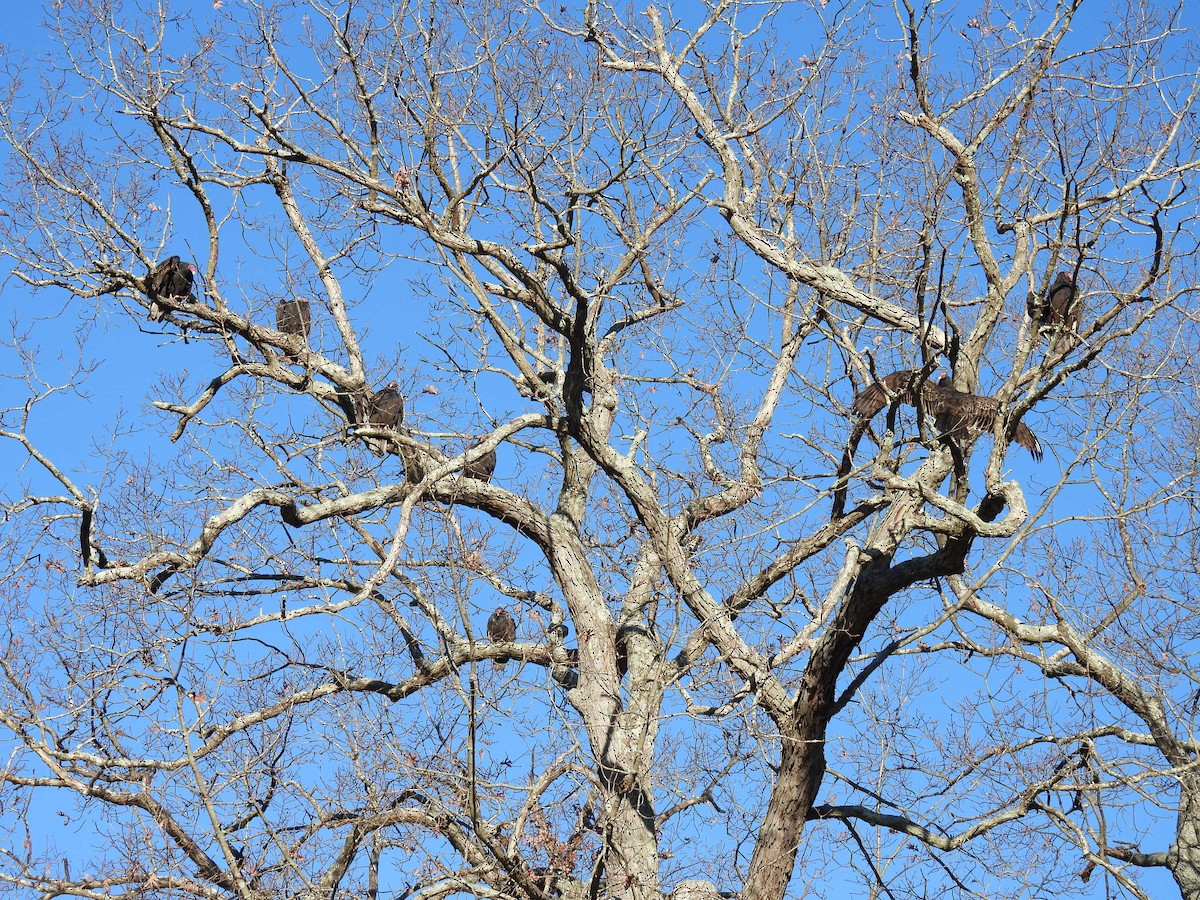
(1059, 308)
(294, 317)
(956, 413)
(501, 629)
(172, 279)
(481, 469)
(386, 409)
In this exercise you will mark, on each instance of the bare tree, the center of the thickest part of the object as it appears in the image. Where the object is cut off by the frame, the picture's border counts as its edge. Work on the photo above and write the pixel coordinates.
(650, 258)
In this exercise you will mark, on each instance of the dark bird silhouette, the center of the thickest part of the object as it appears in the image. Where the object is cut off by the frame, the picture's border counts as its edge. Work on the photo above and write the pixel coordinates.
(481, 469)
(551, 380)
(956, 413)
(294, 317)
(386, 409)
(172, 279)
(1059, 308)
(501, 629)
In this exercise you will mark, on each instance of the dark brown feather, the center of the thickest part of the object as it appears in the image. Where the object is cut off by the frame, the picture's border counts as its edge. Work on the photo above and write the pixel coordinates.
(481, 469)
(386, 409)
(1059, 308)
(956, 413)
(294, 317)
(874, 397)
(171, 278)
(501, 628)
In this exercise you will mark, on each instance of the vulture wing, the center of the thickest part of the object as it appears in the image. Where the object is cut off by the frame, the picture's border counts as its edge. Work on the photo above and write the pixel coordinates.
(170, 278)
(177, 280)
(1027, 439)
(157, 283)
(1060, 301)
(874, 397)
(958, 413)
(1059, 308)
(387, 409)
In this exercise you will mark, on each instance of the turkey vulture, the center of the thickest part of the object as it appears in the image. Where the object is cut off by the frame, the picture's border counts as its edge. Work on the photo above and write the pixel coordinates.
(955, 412)
(386, 409)
(482, 468)
(1059, 308)
(551, 379)
(172, 279)
(294, 317)
(501, 628)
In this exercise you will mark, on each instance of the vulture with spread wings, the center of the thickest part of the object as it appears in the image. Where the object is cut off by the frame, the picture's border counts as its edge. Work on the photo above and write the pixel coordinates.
(956, 413)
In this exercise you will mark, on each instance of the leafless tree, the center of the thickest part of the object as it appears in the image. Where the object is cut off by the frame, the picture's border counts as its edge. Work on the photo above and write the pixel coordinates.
(763, 647)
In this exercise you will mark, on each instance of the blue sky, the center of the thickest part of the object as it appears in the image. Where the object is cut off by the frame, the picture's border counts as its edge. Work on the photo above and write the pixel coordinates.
(129, 362)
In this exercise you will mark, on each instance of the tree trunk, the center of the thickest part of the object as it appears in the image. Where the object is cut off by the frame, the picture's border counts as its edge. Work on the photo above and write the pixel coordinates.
(801, 771)
(621, 739)
(1184, 856)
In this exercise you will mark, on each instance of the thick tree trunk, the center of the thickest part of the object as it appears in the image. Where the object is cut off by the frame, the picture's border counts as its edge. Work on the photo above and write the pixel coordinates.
(1184, 856)
(621, 738)
(801, 771)
(631, 853)
(802, 755)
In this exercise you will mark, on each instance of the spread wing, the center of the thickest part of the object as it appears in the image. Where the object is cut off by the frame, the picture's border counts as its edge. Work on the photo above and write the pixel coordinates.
(1027, 439)
(963, 410)
(875, 397)
(957, 411)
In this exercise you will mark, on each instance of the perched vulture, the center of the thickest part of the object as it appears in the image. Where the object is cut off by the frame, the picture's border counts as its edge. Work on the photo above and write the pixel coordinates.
(387, 409)
(173, 279)
(294, 317)
(482, 468)
(553, 379)
(1059, 308)
(501, 628)
(956, 413)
